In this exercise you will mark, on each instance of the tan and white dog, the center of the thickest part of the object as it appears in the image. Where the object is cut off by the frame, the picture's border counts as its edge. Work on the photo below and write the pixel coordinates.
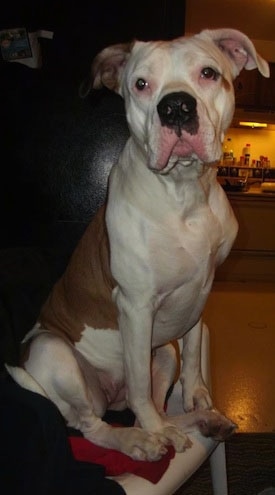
(141, 274)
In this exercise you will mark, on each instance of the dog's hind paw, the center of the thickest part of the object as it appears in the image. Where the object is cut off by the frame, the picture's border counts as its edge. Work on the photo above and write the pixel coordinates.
(213, 424)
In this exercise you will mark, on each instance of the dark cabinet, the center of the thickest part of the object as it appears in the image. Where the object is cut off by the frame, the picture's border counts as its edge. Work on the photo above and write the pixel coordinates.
(252, 90)
(246, 88)
(267, 89)
(252, 258)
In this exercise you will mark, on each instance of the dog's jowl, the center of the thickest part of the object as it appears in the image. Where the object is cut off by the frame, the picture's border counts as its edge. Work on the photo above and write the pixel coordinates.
(141, 274)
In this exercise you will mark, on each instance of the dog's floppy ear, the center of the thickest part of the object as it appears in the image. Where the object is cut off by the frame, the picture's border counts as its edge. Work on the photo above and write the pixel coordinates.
(239, 48)
(106, 68)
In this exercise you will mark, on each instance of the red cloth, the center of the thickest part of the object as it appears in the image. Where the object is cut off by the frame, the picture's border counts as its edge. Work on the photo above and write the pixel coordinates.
(117, 463)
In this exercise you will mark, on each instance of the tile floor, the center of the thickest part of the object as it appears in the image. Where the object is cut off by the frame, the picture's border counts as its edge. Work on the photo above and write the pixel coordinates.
(241, 321)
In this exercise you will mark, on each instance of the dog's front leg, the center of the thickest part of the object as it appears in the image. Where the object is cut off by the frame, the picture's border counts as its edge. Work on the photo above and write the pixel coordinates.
(135, 324)
(195, 392)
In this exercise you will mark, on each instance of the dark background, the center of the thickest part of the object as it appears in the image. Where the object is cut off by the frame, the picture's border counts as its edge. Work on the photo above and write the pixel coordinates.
(56, 149)
(52, 141)
(82, 27)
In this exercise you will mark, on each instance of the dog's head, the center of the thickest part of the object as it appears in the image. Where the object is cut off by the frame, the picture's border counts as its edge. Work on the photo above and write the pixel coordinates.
(178, 94)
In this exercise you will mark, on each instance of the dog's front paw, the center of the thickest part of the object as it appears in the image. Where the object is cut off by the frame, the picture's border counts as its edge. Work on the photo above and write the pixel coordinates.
(171, 435)
(141, 445)
(214, 424)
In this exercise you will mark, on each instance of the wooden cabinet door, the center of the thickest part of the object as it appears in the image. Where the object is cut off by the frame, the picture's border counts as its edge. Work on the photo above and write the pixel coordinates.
(252, 90)
(247, 88)
(267, 90)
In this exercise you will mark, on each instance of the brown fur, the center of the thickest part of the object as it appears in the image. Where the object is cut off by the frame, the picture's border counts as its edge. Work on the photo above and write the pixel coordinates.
(83, 294)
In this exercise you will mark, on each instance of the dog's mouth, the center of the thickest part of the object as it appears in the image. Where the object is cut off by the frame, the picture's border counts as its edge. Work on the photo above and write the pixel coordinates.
(172, 151)
(185, 149)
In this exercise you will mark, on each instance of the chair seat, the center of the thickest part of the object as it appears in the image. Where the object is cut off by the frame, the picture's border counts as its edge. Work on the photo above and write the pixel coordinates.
(181, 467)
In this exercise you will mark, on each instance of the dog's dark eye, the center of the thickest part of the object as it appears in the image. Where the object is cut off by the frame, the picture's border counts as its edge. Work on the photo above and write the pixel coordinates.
(209, 73)
(141, 84)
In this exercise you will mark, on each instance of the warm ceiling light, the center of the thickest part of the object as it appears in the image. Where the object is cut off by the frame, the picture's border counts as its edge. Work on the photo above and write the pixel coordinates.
(253, 124)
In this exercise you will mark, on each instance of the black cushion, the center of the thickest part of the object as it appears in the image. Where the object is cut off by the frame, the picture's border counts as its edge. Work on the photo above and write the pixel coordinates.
(35, 456)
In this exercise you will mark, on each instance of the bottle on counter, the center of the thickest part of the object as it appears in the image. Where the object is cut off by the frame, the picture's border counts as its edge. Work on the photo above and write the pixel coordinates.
(247, 154)
(228, 153)
(241, 162)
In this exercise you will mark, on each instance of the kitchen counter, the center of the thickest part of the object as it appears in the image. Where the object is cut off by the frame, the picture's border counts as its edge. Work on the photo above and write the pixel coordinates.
(253, 191)
(243, 182)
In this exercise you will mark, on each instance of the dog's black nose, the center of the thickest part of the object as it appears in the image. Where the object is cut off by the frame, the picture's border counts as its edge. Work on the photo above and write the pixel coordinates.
(179, 111)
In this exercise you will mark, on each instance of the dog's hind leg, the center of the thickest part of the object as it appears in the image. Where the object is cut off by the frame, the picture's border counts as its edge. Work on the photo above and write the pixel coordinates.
(53, 364)
(210, 423)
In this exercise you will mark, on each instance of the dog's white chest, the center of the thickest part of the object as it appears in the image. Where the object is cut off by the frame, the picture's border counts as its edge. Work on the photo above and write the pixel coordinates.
(184, 271)
(167, 235)
(191, 243)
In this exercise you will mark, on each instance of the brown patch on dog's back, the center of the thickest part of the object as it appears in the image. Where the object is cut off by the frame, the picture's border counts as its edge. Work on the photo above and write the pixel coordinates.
(83, 296)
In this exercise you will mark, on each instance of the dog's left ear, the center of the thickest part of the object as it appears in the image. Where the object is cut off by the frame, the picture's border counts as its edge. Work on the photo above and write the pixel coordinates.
(106, 68)
(239, 48)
